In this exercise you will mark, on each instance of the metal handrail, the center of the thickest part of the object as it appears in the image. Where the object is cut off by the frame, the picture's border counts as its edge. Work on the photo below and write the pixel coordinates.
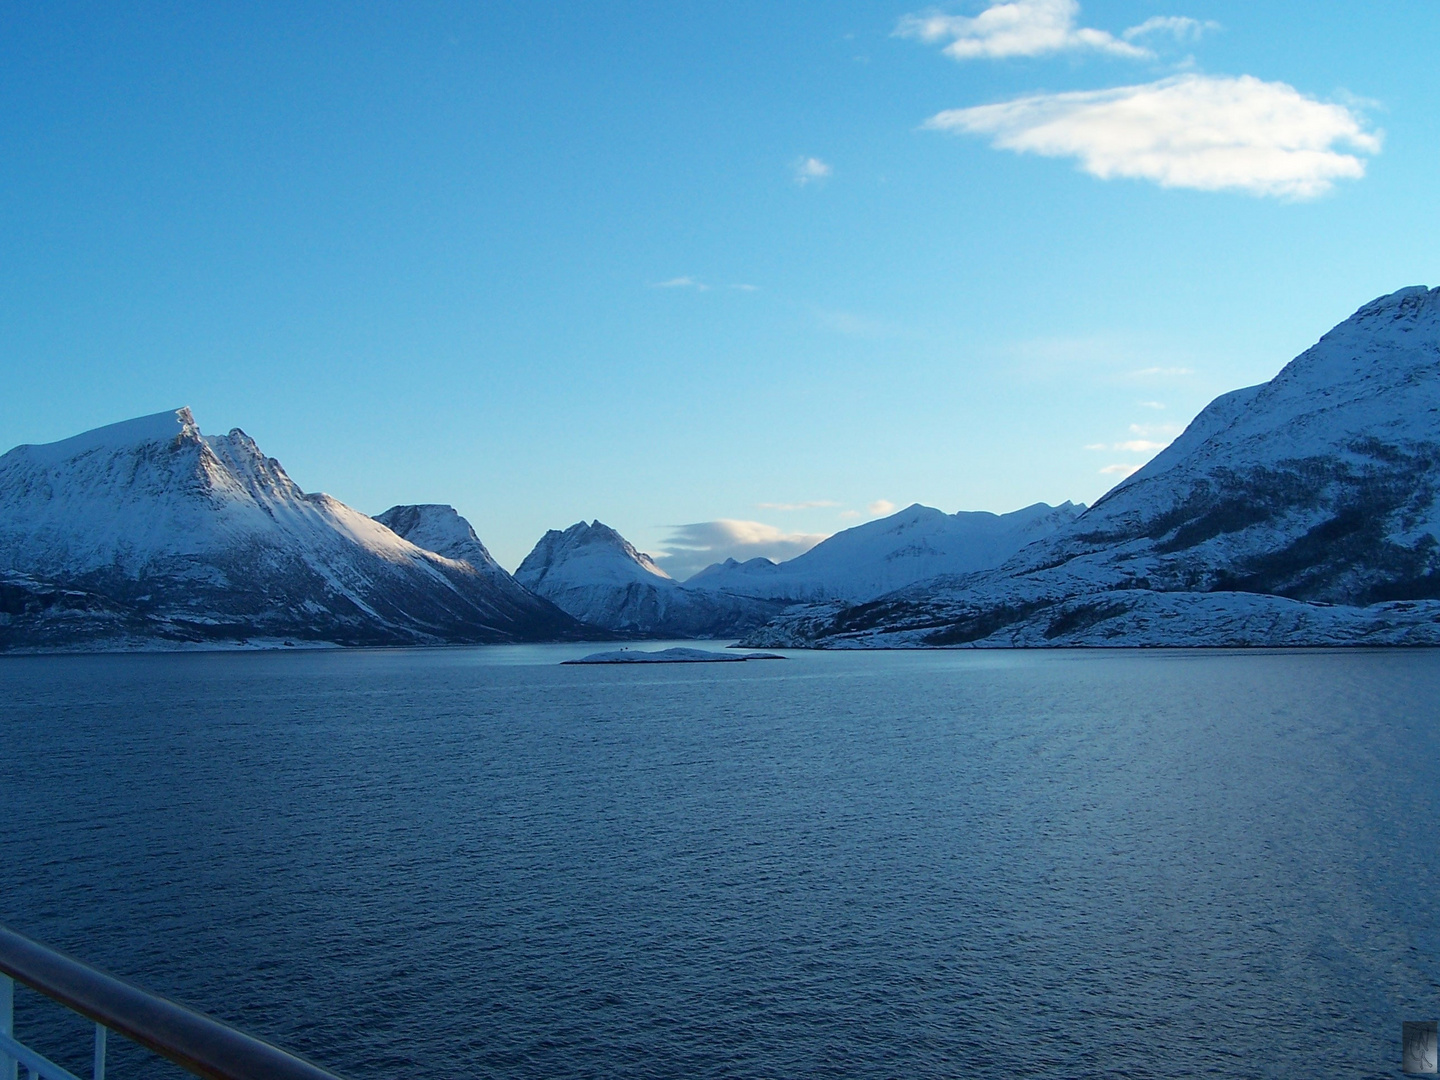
(36, 1064)
(194, 1041)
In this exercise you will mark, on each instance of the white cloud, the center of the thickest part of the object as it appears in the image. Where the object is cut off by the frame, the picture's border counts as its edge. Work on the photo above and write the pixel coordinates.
(1146, 439)
(1162, 372)
(1018, 28)
(680, 283)
(693, 547)
(1146, 430)
(852, 325)
(1123, 470)
(1151, 404)
(1206, 132)
(807, 170)
(813, 504)
(850, 515)
(880, 508)
(1134, 446)
(1180, 27)
(746, 288)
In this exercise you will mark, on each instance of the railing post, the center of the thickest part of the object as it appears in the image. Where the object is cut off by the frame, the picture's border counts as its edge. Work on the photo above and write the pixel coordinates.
(98, 1070)
(8, 1066)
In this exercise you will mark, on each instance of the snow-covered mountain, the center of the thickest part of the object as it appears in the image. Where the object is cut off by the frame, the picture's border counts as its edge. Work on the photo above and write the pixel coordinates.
(148, 532)
(1300, 511)
(596, 575)
(870, 560)
(439, 528)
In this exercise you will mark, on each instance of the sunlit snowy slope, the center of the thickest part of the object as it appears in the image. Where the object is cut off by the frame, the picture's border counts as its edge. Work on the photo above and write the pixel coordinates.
(595, 574)
(150, 533)
(870, 560)
(1301, 511)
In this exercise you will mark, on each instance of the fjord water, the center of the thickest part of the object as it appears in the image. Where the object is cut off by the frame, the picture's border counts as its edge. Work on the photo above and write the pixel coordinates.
(476, 862)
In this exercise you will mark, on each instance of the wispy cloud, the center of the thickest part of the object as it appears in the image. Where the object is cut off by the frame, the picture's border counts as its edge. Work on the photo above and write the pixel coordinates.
(813, 504)
(880, 508)
(1018, 28)
(1168, 430)
(688, 282)
(808, 170)
(853, 325)
(1145, 439)
(1120, 469)
(1134, 446)
(1161, 372)
(1151, 404)
(1210, 133)
(1180, 27)
(691, 548)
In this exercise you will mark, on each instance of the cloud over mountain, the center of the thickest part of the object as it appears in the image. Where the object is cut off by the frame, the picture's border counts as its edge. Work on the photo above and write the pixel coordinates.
(691, 548)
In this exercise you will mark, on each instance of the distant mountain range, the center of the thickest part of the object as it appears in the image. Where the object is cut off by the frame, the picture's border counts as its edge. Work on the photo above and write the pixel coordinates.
(870, 560)
(596, 575)
(1299, 512)
(1302, 511)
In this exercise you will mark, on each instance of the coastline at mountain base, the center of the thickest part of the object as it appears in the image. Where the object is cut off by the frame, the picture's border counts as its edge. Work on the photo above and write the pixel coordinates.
(1135, 618)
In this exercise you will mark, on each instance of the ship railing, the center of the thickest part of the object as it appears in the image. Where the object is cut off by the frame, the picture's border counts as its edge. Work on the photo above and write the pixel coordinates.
(197, 1043)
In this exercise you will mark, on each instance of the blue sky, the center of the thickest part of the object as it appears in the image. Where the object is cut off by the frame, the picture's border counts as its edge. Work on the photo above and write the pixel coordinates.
(733, 275)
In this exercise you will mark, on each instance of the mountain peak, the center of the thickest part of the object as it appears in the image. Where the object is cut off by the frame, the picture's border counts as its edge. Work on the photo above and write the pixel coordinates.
(182, 538)
(1300, 511)
(596, 575)
(594, 552)
(157, 427)
(439, 528)
(1411, 301)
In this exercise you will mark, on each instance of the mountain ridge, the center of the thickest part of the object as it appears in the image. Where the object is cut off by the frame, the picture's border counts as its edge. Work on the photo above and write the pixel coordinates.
(169, 535)
(1316, 488)
(1303, 510)
(911, 545)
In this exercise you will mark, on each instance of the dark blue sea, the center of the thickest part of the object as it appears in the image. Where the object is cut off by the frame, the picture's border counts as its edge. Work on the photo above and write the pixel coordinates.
(479, 863)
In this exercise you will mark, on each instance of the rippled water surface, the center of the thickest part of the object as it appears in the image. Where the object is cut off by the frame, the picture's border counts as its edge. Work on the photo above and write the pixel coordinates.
(476, 862)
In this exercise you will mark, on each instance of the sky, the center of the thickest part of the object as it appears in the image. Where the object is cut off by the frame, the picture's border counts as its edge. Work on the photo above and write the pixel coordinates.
(727, 277)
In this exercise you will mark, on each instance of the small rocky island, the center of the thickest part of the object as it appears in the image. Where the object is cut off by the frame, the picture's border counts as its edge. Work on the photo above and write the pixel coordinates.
(671, 656)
